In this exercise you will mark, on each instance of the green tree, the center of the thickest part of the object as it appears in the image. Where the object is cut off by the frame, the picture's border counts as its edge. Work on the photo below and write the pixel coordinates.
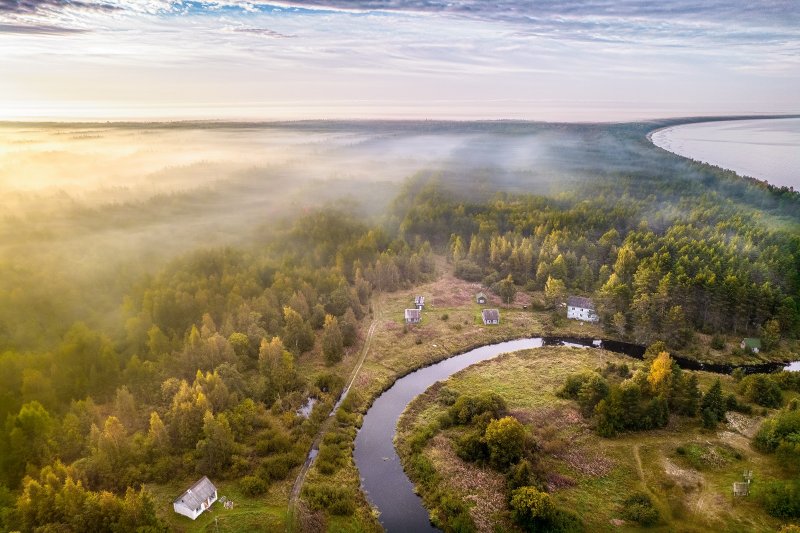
(297, 333)
(593, 389)
(277, 367)
(712, 406)
(215, 450)
(771, 335)
(507, 290)
(332, 344)
(30, 441)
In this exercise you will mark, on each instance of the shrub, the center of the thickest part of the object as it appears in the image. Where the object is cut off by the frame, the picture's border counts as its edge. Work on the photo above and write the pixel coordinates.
(468, 271)
(718, 342)
(472, 447)
(329, 382)
(505, 441)
(638, 507)
(531, 508)
(467, 408)
(335, 499)
(273, 441)
(444, 317)
(253, 485)
(760, 389)
(781, 499)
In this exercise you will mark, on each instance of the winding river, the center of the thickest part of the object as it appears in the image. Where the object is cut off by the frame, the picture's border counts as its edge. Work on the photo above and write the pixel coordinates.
(382, 477)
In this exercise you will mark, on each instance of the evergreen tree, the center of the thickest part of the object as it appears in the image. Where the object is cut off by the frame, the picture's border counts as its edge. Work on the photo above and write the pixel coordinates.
(713, 405)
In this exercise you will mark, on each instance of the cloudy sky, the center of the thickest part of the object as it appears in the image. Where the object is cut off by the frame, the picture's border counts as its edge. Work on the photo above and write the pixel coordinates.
(521, 59)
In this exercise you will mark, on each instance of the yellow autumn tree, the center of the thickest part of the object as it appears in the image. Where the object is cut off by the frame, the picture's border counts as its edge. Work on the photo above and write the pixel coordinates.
(660, 373)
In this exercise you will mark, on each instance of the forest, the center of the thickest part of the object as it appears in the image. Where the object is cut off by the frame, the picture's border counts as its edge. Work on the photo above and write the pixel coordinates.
(204, 316)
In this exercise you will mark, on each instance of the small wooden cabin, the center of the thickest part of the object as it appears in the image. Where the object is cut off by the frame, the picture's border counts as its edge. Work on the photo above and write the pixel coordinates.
(480, 298)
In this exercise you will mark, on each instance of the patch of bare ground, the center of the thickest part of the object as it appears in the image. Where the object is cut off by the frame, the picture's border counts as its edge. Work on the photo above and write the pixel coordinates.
(746, 425)
(688, 479)
(559, 431)
(481, 486)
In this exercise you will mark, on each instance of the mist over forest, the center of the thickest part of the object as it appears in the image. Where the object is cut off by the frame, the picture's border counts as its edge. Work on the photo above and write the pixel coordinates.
(218, 275)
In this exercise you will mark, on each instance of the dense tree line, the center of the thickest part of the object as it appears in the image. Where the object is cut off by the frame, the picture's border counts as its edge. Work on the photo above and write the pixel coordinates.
(659, 269)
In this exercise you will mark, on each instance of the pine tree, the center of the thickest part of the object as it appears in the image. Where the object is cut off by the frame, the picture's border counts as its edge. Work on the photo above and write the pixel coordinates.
(713, 404)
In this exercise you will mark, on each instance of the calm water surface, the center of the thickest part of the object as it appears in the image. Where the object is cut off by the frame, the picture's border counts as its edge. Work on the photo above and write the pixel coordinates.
(765, 149)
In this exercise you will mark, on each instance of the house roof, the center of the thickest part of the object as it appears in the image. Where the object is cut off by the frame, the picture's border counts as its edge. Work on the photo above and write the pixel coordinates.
(480, 295)
(580, 301)
(419, 300)
(197, 494)
(491, 314)
(413, 313)
(752, 342)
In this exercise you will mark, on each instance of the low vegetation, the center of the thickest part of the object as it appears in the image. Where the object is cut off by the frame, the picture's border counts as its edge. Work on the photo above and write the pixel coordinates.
(555, 466)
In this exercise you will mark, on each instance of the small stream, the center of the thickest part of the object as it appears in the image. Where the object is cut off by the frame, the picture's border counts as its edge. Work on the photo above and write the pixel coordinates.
(382, 477)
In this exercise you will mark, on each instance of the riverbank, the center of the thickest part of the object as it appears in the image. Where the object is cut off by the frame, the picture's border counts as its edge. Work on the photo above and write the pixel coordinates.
(451, 325)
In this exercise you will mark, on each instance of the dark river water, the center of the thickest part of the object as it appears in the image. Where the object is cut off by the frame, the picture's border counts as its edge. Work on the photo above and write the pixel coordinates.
(382, 477)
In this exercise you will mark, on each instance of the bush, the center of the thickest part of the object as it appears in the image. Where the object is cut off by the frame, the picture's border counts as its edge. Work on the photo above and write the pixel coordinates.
(444, 317)
(531, 507)
(718, 342)
(468, 271)
(467, 408)
(472, 447)
(253, 485)
(505, 441)
(335, 499)
(329, 382)
(732, 404)
(761, 390)
(277, 467)
(781, 499)
(638, 507)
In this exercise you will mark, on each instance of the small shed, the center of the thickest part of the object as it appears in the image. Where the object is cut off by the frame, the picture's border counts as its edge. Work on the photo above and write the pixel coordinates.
(196, 499)
(480, 298)
(491, 317)
(751, 344)
(741, 488)
(413, 316)
(419, 302)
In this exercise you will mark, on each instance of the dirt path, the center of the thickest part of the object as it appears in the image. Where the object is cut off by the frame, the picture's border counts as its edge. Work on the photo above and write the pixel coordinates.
(312, 454)
(638, 459)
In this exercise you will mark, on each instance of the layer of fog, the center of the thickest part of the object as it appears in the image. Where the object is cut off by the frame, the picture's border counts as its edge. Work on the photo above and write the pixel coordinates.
(100, 205)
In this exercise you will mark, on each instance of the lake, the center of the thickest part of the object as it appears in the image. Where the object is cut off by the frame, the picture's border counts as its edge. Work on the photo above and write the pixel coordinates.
(765, 149)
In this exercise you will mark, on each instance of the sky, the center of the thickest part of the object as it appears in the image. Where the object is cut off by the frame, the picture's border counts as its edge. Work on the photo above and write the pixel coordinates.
(570, 60)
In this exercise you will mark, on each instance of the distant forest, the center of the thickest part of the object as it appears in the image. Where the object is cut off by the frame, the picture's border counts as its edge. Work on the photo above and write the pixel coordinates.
(193, 367)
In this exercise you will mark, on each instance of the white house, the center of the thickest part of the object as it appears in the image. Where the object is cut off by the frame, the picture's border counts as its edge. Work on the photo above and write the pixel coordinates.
(413, 316)
(419, 302)
(197, 499)
(581, 308)
(491, 317)
(480, 298)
